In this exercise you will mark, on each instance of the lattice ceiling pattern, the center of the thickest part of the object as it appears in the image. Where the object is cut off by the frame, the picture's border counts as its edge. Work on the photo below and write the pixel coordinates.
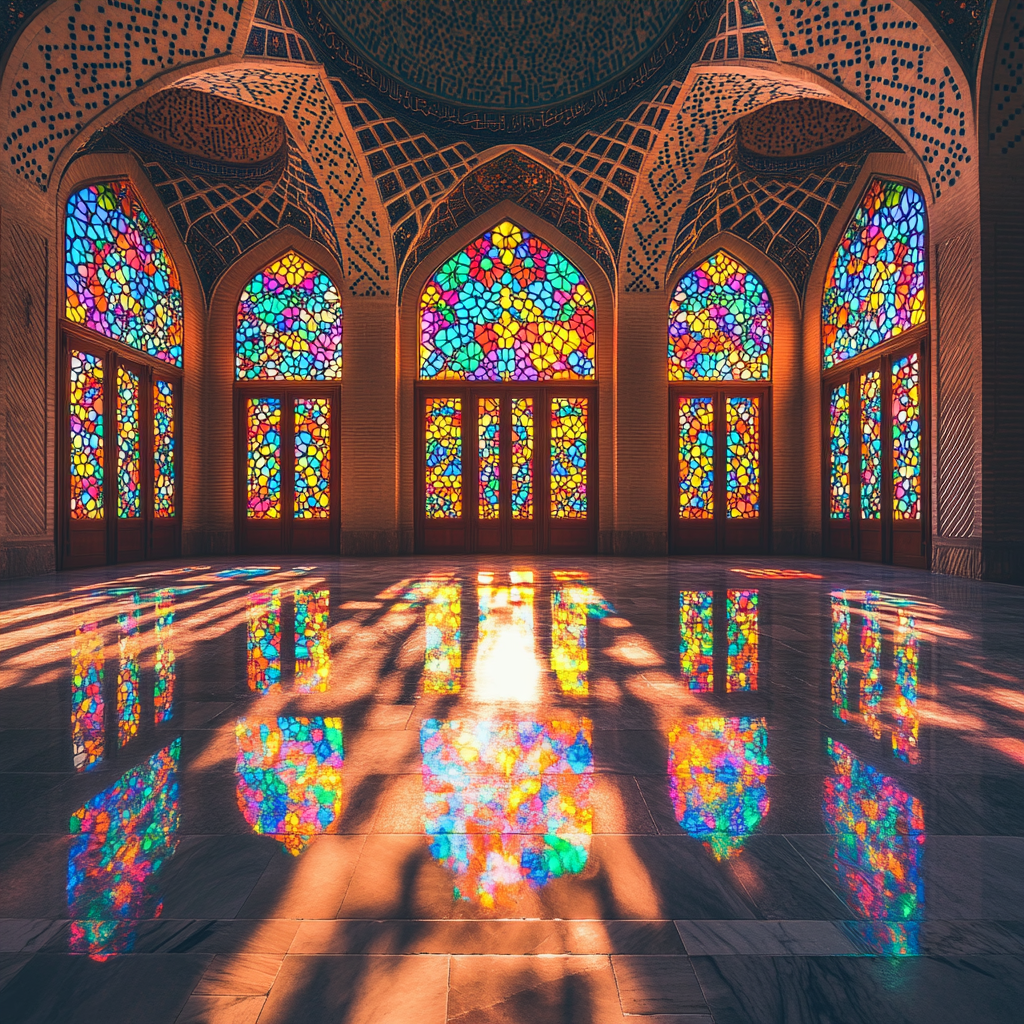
(740, 33)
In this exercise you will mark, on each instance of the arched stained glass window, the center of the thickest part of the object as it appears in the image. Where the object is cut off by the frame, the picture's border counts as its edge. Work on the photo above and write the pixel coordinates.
(121, 282)
(508, 307)
(289, 324)
(720, 324)
(875, 288)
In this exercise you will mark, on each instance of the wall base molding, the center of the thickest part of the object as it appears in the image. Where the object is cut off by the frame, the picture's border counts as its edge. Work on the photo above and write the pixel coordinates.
(27, 558)
(359, 543)
(957, 556)
(633, 543)
(207, 542)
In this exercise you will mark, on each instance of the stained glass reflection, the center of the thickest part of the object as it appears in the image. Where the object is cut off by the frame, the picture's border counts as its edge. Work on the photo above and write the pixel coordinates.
(442, 656)
(742, 662)
(718, 775)
(289, 781)
(129, 707)
(165, 663)
(905, 655)
(312, 640)
(263, 640)
(121, 840)
(507, 804)
(696, 639)
(506, 659)
(840, 660)
(87, 727)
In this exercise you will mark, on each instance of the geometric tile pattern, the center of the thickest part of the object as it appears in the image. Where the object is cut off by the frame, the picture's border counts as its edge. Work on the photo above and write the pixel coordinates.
(732, 38)
(268, 36)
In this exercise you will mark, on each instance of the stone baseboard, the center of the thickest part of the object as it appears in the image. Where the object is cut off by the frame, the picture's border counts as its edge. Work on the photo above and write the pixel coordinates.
(27, 558)
(360, 543)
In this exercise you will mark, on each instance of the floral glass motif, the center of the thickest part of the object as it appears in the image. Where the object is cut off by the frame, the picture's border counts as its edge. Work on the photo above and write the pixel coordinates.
(878, 846)
(696, 639)
(696, 457)
(488, 425)
(522, 458)
(839, 452)
(312, 458)
(289, 781)
(871, 445)
(718, 780)
(312, 641)
(720, 324)
(443, 437)
(289, 324)
(906, 438)
(87, 726)
(875, 287)
(442, 648)
(263, 457)
(129, 451)
(263, 640)
(742, 660)
(85, 412)
(163, 449)
(121, 281)
(121, 839)
(508, 307)
(569, 458)
(165, 663)
(507, 804)
(129, 707)
(742, 457)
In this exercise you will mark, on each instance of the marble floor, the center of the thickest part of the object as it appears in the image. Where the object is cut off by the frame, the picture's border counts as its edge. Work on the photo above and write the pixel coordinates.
(491, 790)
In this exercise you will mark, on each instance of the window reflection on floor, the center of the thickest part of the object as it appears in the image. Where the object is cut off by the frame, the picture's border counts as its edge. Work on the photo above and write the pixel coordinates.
(506, 668)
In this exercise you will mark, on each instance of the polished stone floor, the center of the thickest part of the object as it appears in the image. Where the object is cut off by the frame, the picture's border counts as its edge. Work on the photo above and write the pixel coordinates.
(492, 790)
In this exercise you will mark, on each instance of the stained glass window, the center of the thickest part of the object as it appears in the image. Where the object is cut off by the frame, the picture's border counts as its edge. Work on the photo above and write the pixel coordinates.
(121, 839)
(696, 639)
(443, 438)
(263, 457)
(508, 307)
(718, 780)
(312, 458)
(129, 707)
(87, 726)
(163, 449)
(839, 452)
(85, 410)
(906, 439)
(569, 458)
(289, 781)
(129, 453)
(312, 641)
(507, 805)
(875, 287)
(696, 457)
(720, 324)
(742, 661)
(442, 648)
(263, 640)
(488, 420)
(121, 282)
(165, 664)
(742, 457)
(289, 324)
(522, 458)
(871, 445)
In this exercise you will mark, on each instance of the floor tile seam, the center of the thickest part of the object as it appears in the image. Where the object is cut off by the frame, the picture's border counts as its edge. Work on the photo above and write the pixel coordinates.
(810, 867)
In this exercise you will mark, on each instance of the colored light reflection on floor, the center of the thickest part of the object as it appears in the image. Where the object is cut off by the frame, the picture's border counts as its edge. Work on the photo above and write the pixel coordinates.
(312, 641)
(718, 774)
(122, 838)
(696, 639)
(165, 663)
(442, 654)
(129, 708)
(506, 666)
(87, 726)
(778, 574)
(263, 640)
(507, 804)
(878, 846)
(288, 777)
(742, 663)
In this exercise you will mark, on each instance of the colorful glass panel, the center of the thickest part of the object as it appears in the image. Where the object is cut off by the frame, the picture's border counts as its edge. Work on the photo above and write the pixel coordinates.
(742, 457)
(507, 804)
(163, 449)
(875, 287)
(720, 324)
(129, 453)
(568, 458)
(263, 640)
(165, 663)
(488, 421)
(871, 445)
(87, 726)
(570, 607)
(522, 458)
(85, 413)
(906, 438)
(289, 324)
(121, 281)
(696, 457)
(718, 780)
(696, 639)
(121, 839)
(742, 661)
(312, 641)
(508, 307)
(443, 436)
(129, 707)
(839, 452)
(442, 649)
(878, 846)
(904, 733)
(289, 782)
(312, 458)
(263, 457)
